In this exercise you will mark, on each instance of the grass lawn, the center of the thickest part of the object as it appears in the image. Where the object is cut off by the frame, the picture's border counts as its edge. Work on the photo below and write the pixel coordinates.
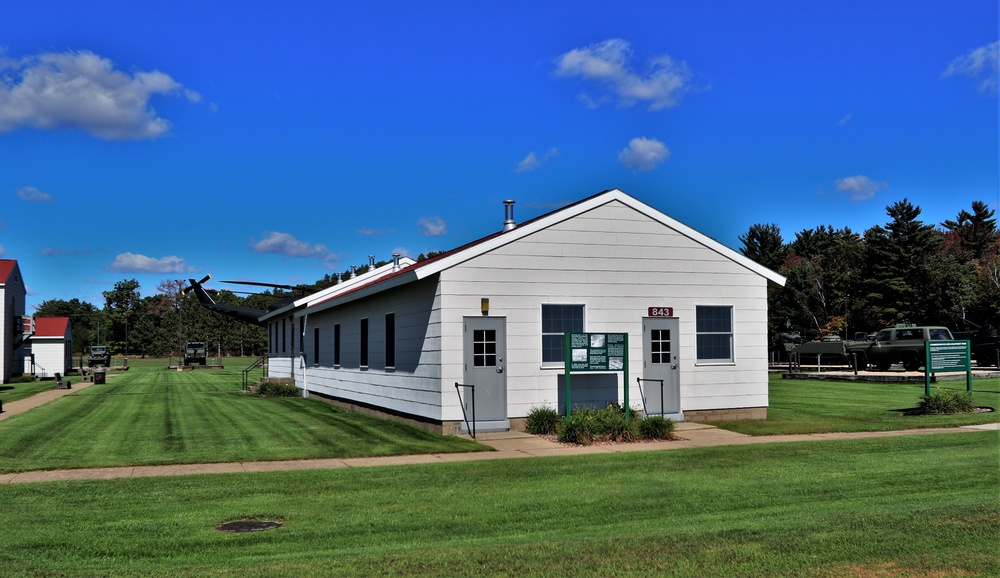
(814, 406)
(149, 415)
(911, 506)
(14, 391)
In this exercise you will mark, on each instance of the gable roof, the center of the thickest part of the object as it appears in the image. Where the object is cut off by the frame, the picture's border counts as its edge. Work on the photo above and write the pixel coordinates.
(7, 266)
(449, 259)
(51, 326)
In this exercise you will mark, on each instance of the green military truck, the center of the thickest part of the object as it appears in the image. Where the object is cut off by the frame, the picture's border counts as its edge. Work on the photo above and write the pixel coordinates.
(100, 356)
(194, 353)
(904, 344)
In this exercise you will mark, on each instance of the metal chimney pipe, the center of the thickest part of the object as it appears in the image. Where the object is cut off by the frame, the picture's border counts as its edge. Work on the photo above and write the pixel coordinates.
(371, 260)
(395, 261)
(508, 221)
(354, 271)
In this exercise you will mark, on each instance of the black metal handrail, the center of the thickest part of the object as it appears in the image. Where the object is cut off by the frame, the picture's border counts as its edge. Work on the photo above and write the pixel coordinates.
(472, 428)
(260, 362)
(639, 380)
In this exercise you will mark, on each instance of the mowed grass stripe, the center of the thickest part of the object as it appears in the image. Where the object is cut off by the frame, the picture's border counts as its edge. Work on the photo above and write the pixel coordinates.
(907, 506)
(168, 417)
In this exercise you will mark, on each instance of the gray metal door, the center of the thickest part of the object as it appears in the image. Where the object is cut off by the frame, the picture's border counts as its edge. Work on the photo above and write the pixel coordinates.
(660, 362)
(485, 352)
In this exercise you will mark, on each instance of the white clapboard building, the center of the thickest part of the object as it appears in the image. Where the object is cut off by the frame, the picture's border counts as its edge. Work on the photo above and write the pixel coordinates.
(49, 346)
(12, 295)
(405, 339)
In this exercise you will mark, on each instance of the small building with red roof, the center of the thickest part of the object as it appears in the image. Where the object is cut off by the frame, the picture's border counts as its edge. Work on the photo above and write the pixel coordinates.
(49, 348)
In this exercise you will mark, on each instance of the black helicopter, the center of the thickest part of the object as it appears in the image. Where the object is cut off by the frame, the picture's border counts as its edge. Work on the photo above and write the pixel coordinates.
(245, 314)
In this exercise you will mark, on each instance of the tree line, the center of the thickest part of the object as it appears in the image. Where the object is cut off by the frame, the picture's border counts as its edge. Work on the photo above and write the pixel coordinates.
(162, 324)
(840, 282)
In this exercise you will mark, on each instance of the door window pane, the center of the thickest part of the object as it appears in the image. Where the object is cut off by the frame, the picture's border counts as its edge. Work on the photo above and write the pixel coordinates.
(484, 348)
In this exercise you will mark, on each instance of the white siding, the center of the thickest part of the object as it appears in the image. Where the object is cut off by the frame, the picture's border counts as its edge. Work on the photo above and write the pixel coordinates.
(51, 356)
(12, 294)
(618, 263)
(413, 386)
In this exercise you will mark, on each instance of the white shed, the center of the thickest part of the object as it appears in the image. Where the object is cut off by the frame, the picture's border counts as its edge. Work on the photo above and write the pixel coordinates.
(493, 313)
(50, 347)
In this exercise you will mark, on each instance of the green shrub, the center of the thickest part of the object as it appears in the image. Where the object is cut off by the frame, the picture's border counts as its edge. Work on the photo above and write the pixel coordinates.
(23, 379)
(579, 428)
(945, 401)
(612, 425)
(542, 420)
(277, 388)
(656, 427)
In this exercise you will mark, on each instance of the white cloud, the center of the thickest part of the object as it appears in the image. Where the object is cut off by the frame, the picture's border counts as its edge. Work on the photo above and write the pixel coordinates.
(981, 64)
(859, 187)
(368, 231)
(608, 64)
(83, 90)
(432, 227)
(532, 162)
(132, 263)
(33, 195)
(643, 154)
(401, 251)
(845, 119)
(289, 246)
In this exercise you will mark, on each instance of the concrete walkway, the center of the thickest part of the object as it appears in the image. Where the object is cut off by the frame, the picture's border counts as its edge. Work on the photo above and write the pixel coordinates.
(508, 445)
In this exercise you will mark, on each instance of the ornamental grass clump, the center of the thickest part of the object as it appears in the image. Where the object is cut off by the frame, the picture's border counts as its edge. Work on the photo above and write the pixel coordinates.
(542, 420)
(277, 388)
(656, 427)
(579, 428)
(945, 402)
(614, 426)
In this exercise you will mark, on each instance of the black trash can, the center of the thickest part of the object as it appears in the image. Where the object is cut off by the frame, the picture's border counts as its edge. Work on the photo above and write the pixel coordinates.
(98, 375)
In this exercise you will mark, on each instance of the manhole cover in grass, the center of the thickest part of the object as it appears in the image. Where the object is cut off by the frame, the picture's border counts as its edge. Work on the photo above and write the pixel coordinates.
(243, 526)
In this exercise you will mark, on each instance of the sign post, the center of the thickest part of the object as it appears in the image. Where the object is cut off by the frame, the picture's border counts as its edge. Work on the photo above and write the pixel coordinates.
(596, 352)
(947, 356)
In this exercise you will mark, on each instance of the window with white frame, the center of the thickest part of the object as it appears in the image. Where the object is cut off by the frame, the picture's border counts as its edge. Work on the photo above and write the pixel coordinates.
(557, 320)
(714, 330)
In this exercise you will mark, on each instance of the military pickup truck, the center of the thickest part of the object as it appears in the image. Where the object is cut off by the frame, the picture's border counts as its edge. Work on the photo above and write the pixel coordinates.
(100, 356)
(194, 353)
(900, 344)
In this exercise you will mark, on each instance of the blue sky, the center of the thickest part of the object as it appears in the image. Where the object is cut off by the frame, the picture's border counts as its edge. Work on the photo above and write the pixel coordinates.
(281, 141)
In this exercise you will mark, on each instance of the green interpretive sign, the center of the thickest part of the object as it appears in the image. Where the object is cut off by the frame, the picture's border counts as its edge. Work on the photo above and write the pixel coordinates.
(596, 352)
(943, 356)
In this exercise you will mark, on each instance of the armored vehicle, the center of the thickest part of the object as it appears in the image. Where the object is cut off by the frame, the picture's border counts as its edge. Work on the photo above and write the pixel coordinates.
(100, 356)
(900, 344)
(194, 353)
